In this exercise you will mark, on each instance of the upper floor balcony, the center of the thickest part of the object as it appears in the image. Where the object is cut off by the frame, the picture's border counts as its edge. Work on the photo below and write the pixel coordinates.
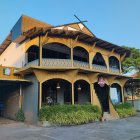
(56, 55)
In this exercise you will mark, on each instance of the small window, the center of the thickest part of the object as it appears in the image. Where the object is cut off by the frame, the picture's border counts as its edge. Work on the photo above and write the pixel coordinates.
(6, 71)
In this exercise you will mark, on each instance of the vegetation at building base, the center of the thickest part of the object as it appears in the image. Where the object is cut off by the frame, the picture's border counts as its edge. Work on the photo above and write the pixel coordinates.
(20, 116)
(125, 110)
(69, 114)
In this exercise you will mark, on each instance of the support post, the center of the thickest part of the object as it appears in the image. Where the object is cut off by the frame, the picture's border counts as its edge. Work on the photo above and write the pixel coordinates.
(72, 93)
(40, 95)
(40, 52)
(20, 96)
(72, 56)
(91, 93)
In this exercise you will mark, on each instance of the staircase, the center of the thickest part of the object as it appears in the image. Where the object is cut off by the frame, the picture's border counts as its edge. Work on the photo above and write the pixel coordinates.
(107, 117)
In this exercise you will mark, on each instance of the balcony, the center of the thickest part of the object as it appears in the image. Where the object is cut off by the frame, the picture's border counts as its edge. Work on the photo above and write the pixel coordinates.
(99, 68)
(114, 70)
(56, 62)
(80, 64)
(67, 63)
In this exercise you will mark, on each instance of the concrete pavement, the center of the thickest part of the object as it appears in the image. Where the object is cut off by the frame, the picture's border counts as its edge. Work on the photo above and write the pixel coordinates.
(123, 129)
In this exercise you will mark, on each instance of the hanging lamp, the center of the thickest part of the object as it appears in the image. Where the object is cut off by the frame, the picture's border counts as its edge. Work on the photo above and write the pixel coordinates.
(58, 86)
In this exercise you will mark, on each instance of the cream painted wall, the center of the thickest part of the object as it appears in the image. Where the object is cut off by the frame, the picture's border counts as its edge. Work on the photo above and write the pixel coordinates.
(13, 56)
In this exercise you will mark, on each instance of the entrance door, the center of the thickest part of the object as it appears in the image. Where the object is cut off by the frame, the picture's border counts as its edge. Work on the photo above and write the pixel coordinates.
(103, 95)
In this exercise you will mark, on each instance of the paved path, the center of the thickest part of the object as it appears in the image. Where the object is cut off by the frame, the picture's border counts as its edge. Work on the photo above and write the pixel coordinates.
(123, 129)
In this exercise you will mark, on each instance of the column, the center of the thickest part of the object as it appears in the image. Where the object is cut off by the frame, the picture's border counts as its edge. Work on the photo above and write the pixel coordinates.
(40, 52)
(20, 96)
(122, 91)
(72, 93)
(40, 94)
(91, 93)
(72, 56)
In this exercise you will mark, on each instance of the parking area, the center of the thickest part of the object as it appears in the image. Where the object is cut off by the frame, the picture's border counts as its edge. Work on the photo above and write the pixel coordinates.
(123, 129)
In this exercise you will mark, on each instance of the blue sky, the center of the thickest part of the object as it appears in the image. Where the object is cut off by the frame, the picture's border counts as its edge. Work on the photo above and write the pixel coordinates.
(116, 21)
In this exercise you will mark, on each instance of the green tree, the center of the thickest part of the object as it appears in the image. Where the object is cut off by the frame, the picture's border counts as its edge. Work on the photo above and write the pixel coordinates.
(132, 62)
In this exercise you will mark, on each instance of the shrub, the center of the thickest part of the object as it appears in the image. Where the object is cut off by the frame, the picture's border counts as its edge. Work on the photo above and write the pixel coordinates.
(70, 114)
(20, 116)
(125, 110)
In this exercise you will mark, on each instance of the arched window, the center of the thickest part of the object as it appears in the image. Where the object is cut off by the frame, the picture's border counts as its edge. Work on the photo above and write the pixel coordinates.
(99, 60)
(114, 63)
(32, 53)
(56, 51)
(80, 54)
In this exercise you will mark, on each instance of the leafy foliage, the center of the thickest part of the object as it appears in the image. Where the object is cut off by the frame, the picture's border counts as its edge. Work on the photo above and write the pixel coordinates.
(20, 116)
(132, 62)
(69, 114)
(125, 110)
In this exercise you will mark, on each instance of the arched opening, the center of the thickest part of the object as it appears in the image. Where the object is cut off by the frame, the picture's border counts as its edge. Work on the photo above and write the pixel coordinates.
(56, 54)
(99, 62)
(32, 54)
(116, 93)
(82, 92)
(114, 63)
(56, 51)
(102, 91)
(80, 57)
(58, 90)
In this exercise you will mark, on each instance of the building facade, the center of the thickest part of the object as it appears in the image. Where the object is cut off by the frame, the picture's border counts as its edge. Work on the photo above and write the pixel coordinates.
(65, 64)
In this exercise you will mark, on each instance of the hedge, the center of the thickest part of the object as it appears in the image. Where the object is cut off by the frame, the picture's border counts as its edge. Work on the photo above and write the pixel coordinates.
(125, 110)
(69, 114)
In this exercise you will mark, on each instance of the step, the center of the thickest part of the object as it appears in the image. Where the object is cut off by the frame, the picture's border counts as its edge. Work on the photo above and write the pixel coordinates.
(107, 116)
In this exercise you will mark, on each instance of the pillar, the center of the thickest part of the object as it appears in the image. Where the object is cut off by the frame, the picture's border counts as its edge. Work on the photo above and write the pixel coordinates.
(40, 52)
(122, 91)
(71, 56)
(91, 92)
(20, 96)
(72, 93)
(40, 94)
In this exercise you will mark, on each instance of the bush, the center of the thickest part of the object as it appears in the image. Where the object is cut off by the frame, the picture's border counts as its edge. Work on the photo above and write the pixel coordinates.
(125, 110)
(20, 116)
(69, 114)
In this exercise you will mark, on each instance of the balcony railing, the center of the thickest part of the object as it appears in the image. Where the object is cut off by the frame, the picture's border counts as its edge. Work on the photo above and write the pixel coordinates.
(65, 63)
(56, 62)
(33, 63)
(114, 70)
(80, 64)
(99, 67)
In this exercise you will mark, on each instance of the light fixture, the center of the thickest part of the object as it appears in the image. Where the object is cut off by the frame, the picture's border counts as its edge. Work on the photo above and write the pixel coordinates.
(79, 87)
(58, 86)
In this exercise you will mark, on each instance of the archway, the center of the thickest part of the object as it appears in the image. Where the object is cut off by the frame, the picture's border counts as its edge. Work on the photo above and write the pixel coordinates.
(80, 54)
(32, 54)
(99, 62)
(56, 51)
(102, 91)
(82, 92)
(114, 63)
(116, 93)
(58, 90)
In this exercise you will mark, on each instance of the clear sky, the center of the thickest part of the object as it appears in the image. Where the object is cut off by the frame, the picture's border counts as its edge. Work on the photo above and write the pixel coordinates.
(116, 21)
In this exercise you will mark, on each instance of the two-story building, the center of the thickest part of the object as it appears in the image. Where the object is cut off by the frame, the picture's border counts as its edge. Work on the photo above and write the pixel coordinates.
(67, 64)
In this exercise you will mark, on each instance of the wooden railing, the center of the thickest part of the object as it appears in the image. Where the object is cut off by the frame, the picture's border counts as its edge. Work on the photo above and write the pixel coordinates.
(99, 67)
(81, 64)
(56, 62)
(65, 63)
